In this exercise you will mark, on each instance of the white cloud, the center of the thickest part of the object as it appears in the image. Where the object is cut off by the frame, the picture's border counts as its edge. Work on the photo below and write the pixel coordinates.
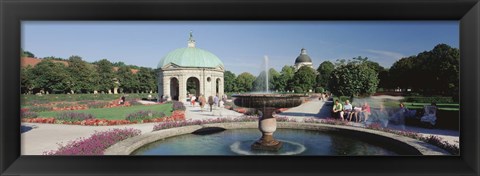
(386, 54)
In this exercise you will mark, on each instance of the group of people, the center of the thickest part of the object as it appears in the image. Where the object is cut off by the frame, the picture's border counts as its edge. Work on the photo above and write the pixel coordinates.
(324, 96)
(213, 101)
(347, 111)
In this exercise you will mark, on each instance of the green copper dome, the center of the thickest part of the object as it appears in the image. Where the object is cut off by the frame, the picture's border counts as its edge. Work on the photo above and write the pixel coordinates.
(191, 57)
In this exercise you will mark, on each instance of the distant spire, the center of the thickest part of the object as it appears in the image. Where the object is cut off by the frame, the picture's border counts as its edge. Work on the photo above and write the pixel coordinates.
(191, 41)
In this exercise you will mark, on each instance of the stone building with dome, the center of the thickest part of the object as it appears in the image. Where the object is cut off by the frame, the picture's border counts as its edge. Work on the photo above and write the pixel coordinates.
(196, 67)
(303, 60)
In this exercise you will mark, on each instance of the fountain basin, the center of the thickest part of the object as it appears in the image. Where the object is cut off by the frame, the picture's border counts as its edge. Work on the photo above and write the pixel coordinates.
(411, 146)
(268, 100)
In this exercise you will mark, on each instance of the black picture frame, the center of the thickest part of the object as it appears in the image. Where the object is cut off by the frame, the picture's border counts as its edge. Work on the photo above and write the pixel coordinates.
(14, 11)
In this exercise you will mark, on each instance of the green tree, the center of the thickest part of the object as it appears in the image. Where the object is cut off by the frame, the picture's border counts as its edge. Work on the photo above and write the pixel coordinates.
(304, 79)
(128, 81)
(83, 75)
(434, 72)
(51, 76)
(353, 78)
(146, 79)
(260, 80)
(282, 80)
(229, 80)
(106, 75)
(26, 53)
(26, 79)
(244, 82)
(324, 71)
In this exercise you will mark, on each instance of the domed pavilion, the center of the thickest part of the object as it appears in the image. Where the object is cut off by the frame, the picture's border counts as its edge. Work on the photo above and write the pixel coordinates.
(195, 69)
(303, 60)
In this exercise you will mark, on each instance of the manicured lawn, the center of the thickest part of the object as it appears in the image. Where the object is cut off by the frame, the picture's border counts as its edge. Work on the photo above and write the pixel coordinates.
(116, 113)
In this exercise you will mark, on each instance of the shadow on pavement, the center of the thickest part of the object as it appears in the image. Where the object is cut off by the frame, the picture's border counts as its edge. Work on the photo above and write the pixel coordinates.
(24, 129)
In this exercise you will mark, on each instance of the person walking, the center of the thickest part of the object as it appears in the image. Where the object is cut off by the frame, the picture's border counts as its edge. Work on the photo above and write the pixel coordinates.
(210, 102)
(215, 101)
(192, 100)
(202, 102)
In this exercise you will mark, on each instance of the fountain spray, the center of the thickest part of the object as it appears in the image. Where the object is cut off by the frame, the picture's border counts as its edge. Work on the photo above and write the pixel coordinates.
(266, 74)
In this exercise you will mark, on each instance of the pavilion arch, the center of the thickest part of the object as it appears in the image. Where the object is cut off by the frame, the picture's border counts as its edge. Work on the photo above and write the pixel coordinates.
(174, 88)
(218, 85)
(193, 86)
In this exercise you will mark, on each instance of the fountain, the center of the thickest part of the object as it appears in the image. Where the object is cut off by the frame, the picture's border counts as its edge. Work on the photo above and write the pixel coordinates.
(266, 104)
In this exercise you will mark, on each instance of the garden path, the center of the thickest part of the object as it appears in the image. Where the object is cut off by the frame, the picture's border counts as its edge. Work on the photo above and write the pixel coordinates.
(196, 113)
(314, 108)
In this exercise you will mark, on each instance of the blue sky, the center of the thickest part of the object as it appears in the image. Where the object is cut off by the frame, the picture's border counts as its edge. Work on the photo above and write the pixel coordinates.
(241, 45)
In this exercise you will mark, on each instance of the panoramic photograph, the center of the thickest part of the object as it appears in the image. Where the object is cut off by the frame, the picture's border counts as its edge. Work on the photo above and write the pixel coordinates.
(237, 88)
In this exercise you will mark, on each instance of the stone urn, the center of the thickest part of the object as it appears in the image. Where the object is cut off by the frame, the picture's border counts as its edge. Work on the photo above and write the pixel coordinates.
(267, 124)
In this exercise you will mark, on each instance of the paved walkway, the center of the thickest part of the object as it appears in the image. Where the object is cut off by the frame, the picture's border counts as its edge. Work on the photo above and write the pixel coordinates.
(196, 113)
(312, 109)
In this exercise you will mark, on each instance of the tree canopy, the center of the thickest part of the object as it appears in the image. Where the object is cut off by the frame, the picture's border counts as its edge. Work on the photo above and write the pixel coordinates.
(324, 70)
(304, 79)
(244, 82)
(353, 78)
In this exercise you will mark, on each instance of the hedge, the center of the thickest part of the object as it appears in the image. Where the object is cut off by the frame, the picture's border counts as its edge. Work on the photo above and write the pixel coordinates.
(416, 99)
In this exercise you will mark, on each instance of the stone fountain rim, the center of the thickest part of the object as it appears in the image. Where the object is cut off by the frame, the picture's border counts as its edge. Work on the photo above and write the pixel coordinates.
(128, 146)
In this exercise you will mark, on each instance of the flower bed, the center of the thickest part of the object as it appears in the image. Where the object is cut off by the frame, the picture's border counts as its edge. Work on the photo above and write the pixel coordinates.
(95, 144)
(74, 116)
(144, 115)
(26, 113)
(176, 116)
(174, 124)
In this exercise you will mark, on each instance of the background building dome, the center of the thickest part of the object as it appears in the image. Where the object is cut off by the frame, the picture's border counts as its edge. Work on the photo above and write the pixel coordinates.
(191, 57)
(303, 57)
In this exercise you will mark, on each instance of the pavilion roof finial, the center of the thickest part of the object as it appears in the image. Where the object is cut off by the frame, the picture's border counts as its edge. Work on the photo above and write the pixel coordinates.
(191, 41)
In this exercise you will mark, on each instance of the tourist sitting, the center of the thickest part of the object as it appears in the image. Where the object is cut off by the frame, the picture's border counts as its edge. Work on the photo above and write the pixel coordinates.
(337, 108)
(347, 109)
(399, 116)
(430, 115)
(355, 113)
(366, 112)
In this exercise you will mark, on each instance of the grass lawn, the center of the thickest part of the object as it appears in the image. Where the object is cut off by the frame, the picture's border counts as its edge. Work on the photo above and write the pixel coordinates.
(116, 113)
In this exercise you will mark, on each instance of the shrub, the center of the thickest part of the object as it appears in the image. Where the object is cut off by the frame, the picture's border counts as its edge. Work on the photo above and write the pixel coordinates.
(144, 115)
(96, 143)
(342, 99)
(319, 90)
(298, 89)
(74, 116)
(417, 99)
(178, 106)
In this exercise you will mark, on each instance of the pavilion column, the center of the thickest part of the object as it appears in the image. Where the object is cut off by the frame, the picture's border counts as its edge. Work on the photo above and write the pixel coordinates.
(166, 88)
(221, 88)
(182, 81)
